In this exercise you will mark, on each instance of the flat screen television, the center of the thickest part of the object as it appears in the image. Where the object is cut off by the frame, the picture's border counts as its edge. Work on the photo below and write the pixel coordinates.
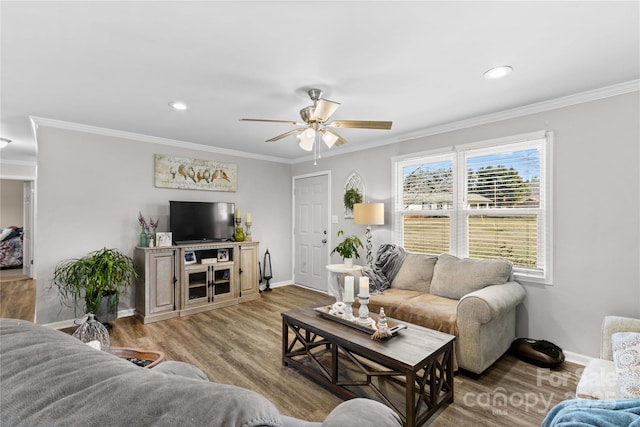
(200, 222)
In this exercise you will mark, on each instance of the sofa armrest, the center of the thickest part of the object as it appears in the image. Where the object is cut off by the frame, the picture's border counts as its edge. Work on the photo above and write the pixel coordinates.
(489, 303)
(611, 325)
(183, 369)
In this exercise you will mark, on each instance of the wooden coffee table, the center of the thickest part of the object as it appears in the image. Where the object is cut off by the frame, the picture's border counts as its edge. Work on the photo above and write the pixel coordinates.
(412, 372)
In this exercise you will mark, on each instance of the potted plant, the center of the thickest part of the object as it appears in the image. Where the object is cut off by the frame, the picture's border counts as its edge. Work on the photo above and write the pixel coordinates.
(348, 249)
(97, 279)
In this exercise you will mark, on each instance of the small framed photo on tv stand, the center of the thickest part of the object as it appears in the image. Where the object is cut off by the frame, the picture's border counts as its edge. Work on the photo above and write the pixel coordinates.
(223, 255)
(164, 239)
(189, 257)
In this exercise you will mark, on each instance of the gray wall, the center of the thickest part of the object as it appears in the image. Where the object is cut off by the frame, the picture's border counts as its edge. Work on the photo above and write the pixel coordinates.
(91, 187)
(11, 204)
(596, 242)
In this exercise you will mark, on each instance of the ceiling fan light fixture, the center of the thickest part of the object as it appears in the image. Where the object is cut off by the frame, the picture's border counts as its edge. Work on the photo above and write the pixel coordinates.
(307, 138)
(498, 72)
(329, 138)
(306, 145)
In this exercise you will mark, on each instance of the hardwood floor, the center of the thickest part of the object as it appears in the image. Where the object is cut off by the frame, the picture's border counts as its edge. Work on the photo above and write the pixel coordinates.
(17, 295)
(241, 345)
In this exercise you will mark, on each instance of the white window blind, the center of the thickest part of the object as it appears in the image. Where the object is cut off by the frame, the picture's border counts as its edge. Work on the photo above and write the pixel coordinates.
(480, 201)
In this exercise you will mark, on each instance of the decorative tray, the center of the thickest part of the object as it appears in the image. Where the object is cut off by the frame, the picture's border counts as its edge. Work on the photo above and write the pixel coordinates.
(143, 358)
(394, 327)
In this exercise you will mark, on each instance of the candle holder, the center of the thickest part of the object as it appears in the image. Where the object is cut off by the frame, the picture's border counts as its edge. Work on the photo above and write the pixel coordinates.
(348, 311)
(248, 232)
(363, 312)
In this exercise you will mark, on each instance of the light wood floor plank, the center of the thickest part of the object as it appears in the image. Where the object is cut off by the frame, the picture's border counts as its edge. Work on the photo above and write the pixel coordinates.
(241, 345)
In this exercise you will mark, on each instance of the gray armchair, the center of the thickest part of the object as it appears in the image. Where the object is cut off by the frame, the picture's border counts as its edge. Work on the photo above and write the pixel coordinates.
(599, 379)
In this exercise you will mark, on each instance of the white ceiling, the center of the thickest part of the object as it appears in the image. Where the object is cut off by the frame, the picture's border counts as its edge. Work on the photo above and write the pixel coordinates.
(117, 65)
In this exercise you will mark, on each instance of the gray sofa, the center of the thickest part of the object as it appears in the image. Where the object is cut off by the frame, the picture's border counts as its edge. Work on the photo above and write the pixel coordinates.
(49, 378)
(475, 300)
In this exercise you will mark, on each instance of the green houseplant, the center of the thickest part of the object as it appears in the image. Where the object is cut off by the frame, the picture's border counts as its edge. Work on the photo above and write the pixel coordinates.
(348, 248)
(351, 197)
(97, 279)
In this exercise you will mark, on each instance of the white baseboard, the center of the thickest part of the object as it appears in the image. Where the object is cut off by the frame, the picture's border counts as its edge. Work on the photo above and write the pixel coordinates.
(63, 324)
(578, 358)
(275, 285)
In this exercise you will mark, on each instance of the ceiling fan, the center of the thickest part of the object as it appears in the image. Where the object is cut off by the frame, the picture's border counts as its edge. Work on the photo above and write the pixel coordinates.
(314, 120)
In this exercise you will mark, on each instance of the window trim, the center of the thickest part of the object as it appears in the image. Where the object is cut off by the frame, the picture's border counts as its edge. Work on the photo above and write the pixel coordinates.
(459, 153)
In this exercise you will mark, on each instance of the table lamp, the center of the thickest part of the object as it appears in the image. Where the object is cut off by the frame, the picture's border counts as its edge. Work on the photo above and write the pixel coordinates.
(368, 214)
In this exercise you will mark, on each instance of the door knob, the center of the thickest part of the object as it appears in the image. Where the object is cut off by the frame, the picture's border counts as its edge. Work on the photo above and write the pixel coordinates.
(324, 241)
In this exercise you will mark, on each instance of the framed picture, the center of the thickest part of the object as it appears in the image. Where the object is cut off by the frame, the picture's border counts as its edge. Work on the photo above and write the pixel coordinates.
(223, 254)
(164, 239)
(189, 257)
(194, 174)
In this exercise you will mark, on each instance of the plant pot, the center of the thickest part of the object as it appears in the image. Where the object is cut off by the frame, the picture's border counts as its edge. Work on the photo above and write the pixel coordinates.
(105, 312)
(348, 262)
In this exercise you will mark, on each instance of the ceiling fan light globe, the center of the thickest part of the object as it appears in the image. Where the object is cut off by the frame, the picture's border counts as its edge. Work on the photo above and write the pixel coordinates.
(329, 138)
(306, 145)
(307, 137)
(309, 134)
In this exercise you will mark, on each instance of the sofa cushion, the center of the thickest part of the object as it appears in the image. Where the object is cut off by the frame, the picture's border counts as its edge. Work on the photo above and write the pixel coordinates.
(390, 300)
(415, 273)
(430, 311)
(454, 277)
(626, 356)
(598, 381)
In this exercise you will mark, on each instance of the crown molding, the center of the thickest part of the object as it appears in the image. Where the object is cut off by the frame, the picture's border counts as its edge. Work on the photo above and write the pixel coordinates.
(60, 124)
(539, 107)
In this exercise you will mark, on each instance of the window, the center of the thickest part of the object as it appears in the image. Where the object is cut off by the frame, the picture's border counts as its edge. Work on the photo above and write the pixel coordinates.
(488, 200)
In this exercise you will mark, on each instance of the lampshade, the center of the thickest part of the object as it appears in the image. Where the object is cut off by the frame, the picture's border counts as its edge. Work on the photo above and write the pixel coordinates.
(368, 213)
(307, 138)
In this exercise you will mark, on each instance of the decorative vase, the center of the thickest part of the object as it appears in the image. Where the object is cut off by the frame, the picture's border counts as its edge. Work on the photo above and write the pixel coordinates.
(94, 333)
(348, 262)
(144, 238)
(239, 236)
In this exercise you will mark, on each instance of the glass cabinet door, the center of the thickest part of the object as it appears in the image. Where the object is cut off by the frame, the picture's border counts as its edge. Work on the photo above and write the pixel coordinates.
(222, 281)
(197, 286)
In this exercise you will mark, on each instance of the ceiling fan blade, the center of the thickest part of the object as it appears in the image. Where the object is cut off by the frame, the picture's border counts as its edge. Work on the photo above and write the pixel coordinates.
(339, 141)
(325, 109)
(272, 121)
(361, 124)
(286, 134)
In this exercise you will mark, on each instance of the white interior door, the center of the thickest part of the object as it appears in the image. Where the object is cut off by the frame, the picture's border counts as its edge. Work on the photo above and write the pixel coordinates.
(311, 203)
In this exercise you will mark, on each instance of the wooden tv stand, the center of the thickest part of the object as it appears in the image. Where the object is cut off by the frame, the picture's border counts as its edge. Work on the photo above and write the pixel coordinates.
(174, 281)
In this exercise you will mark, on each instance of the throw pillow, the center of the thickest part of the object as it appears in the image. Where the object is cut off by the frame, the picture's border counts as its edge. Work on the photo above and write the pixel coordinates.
(626, 356)
(454, 277)
(415, 272)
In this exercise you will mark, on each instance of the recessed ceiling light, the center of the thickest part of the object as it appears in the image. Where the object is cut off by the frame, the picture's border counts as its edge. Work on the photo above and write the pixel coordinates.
(498, 72)
(177, 105)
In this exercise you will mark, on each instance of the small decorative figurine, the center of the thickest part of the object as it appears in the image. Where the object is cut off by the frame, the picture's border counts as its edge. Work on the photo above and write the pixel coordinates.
(383, 329)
